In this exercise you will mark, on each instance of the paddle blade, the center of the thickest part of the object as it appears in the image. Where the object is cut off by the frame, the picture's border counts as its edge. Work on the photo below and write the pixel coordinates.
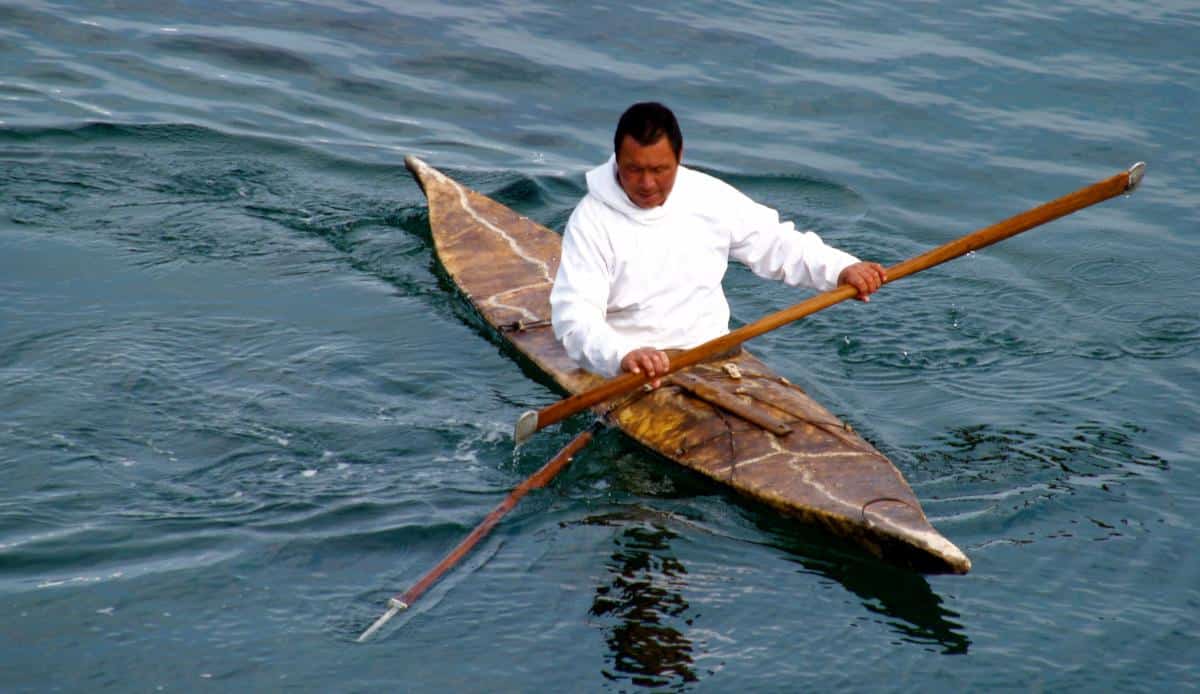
(527, 426)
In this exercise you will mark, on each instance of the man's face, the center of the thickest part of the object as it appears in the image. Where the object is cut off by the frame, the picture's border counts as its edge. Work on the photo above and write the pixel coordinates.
(647, 172)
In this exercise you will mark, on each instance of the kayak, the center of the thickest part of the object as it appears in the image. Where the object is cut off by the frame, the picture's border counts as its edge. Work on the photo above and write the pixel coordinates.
(730, 419)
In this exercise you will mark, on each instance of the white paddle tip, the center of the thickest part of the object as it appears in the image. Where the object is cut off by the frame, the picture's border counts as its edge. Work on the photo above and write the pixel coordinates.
(394, 607)
(1135, 175)
(526, 427)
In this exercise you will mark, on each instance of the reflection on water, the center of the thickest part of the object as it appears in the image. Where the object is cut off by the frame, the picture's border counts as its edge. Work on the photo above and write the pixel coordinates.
(643, 609)
(903, 599)
(647, 619)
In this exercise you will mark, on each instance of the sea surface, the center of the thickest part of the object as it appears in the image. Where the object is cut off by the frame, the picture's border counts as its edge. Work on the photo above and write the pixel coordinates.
(240, 406)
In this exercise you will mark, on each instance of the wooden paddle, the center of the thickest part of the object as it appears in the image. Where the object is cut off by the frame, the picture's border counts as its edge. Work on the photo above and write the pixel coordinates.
(541, 478)
(535, 420)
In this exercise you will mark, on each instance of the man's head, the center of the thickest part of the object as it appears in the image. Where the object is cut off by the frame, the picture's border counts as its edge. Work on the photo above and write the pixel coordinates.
(648, 145)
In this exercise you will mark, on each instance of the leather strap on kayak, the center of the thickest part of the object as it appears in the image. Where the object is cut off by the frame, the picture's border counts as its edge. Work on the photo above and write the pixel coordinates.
(749, 410)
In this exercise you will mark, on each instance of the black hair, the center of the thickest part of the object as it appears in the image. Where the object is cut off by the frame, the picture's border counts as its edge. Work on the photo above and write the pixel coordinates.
(647, 121)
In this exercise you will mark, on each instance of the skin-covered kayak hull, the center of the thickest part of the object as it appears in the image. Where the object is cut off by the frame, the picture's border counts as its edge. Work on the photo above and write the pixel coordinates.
(730, 419)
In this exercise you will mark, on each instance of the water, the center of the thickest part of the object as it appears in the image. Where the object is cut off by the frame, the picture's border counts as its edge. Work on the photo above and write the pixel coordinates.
(241, 407)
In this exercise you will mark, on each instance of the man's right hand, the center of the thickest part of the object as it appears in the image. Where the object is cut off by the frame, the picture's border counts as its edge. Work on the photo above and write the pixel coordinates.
(647, 360)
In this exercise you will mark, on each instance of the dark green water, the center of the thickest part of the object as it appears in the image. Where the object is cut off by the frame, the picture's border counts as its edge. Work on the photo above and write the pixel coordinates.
(240, 407)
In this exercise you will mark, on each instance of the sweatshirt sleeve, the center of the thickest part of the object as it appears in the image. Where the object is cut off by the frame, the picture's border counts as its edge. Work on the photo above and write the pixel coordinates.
(776, 250)
(579, 298)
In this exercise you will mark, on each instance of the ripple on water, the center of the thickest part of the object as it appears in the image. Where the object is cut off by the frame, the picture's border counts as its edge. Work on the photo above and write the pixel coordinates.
(1098, 350)
(982, 339)
(995, 477)
(1033, 381)
(1132, 312)
(951, 334)
(886, 363)
(1110, 272)
(1013, 320)
(1164, 336)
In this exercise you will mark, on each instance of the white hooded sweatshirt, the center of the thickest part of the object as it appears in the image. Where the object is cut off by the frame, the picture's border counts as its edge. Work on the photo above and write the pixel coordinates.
(632, 277)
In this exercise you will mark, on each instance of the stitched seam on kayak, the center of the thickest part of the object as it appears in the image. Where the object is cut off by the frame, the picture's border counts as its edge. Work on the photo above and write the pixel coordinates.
(805, 473)
(516, 247)
(681, 391)
(494, 301)
(793, 454)
(733, 459)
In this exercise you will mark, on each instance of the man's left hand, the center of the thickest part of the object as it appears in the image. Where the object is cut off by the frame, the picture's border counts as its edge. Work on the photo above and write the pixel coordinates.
(865, 277)
(648, 360)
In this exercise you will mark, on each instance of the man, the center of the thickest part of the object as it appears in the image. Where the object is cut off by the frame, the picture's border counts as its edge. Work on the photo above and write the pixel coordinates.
(644, 253)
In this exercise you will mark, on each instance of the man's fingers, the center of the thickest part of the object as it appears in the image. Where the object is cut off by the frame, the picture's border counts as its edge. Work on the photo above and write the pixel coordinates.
(862, 282)
(867, 278)
(647, 360)
(661, 362)
(653, 362)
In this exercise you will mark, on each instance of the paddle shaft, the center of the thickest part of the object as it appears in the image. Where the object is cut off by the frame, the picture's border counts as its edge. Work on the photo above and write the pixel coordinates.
(541, 478)
(627, 382)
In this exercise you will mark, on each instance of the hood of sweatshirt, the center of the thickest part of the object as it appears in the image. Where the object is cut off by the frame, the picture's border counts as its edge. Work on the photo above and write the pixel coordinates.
(602, 182)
